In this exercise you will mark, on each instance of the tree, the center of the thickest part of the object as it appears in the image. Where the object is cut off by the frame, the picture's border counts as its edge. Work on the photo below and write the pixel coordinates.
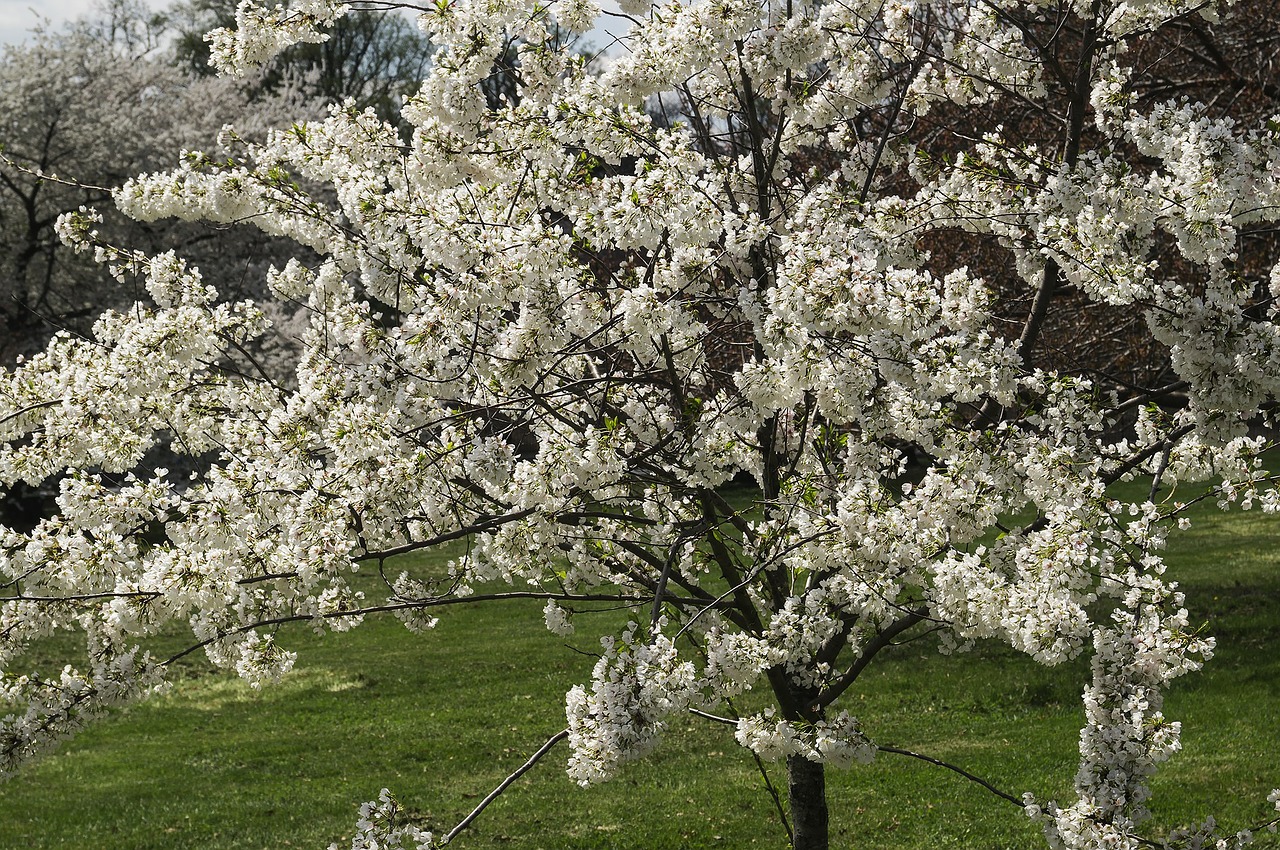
(375, 59)
(555, 328)
(83, 110)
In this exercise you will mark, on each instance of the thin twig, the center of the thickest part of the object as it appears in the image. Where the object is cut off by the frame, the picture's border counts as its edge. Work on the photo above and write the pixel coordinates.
(727, 721)
(777, 798)
(966, 774)
(505, 784)
(420, 604)
(768, 783)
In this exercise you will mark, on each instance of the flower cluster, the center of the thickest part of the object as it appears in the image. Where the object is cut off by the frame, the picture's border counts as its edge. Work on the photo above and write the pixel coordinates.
(838, 742)
(380, 828)
(260, 32)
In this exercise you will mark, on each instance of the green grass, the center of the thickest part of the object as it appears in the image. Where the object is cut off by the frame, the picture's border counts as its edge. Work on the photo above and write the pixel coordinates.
(441, 718)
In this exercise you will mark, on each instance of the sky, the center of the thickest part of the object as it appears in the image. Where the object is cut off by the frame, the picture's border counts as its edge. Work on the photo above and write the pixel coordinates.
(17, 17)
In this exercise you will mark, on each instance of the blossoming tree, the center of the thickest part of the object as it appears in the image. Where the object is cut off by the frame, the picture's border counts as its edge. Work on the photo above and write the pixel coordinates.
(85, 108)
(555, 326)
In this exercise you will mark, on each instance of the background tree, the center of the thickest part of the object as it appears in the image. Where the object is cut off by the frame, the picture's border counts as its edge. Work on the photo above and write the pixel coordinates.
(81, 111)
(375, 58)
(84, 110)
(513, 322)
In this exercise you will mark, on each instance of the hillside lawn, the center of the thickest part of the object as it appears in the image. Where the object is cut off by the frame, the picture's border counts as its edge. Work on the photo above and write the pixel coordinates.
(441, 718)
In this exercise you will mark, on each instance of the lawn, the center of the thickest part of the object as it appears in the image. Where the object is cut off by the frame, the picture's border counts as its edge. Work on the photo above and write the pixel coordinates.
(441, 718)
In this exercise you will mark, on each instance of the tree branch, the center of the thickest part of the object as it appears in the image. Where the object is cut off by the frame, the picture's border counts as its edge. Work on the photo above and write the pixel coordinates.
(505, 784)
(966, 774)
(873, 647)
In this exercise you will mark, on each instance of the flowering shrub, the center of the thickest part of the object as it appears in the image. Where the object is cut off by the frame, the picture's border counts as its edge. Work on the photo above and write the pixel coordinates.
(557, 324)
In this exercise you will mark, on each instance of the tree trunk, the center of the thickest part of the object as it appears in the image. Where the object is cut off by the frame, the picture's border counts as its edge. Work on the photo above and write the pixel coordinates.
(807, 789)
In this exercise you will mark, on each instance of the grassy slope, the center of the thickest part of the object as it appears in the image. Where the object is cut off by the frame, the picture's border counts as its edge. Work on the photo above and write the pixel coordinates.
(442, 718)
